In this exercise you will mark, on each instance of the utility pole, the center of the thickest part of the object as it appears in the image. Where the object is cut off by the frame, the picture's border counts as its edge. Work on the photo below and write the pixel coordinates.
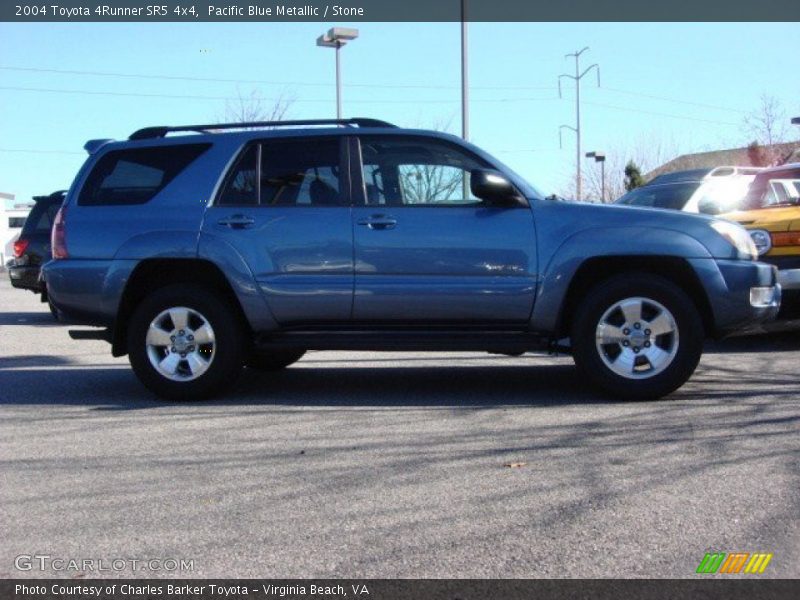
(577, 129)
(464, 74)
(464, 89)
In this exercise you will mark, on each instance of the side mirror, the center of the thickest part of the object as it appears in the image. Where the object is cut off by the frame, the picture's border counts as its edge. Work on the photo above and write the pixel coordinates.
(494, 188)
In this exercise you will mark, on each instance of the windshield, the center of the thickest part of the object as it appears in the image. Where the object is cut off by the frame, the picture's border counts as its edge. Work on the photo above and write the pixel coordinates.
(672, 197)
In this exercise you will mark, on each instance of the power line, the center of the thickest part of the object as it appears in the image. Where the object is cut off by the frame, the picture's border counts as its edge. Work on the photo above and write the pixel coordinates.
(311, 101)
(39, 151)
(664, 98)
(297, 83)
(363, 85)
(315, 101)
(660, 114)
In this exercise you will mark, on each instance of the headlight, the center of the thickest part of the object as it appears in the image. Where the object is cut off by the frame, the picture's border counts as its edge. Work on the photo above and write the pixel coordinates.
(738, 237)
(762, 240)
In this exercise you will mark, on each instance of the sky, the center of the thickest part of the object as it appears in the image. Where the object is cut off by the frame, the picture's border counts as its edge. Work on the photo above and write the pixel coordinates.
(666, 89)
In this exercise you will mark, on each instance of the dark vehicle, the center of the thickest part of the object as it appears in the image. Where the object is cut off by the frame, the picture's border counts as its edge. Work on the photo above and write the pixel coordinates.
(702, 174)
(679, 176)
(671, 196)
(205, 252)
(32, 248)
(707, 191)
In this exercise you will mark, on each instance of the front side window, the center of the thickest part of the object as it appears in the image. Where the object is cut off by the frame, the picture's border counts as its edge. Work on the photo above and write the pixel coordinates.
(136, 176)
(416, 171)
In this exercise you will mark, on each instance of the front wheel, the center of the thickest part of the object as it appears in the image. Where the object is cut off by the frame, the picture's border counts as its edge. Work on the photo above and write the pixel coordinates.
(637, 336)
(185, 343)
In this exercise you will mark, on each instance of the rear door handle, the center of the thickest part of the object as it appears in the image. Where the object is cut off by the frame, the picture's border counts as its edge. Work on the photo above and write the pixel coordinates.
(379, 222)
(237, 221)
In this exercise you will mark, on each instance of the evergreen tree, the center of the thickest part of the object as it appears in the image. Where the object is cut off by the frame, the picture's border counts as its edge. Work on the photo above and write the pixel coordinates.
(633, 176)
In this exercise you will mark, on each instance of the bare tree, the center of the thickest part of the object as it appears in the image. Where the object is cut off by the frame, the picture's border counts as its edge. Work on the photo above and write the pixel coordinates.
(766, 126)
(431, 183)
(648, 152)
(254, 107)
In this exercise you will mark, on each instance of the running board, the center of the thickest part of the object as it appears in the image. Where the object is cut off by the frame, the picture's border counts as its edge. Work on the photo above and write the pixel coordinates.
(501, 342)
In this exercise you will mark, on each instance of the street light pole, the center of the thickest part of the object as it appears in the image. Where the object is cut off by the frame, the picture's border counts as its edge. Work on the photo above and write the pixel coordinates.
(338, 81)
(577, 129)
(600, 157)
(603, 180)
(335, 38)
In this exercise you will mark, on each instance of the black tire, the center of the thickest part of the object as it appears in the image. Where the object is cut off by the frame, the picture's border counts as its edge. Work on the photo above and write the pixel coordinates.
(229, 341)
(590, 360)
(273, 360)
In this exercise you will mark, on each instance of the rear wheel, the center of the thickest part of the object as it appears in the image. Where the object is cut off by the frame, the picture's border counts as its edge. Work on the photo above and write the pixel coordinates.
(637, 336)
(273, 360)
(185, 343)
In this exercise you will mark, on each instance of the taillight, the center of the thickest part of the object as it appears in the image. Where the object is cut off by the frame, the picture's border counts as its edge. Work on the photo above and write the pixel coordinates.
(58, 235)
(19, 248)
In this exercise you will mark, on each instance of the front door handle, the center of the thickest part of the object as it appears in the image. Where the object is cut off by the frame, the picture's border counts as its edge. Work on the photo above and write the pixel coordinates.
(237, 221)
(379, 222)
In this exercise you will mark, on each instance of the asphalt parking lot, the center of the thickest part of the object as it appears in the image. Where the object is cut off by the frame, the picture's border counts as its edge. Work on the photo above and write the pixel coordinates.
(392, 465)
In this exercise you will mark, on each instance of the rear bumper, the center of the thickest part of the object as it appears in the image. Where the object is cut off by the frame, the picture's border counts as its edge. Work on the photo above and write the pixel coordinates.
(742, 294)
(81, 290)
(25, 278)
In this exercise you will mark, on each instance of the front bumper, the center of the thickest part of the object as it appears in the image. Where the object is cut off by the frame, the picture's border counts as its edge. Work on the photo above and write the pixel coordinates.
(789, 279)
(788, 269)
(25, 277)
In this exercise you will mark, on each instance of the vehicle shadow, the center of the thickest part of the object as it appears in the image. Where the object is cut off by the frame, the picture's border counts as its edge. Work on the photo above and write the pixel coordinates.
(777, 341)
(29, 319)
(393, 384)
(116, 388)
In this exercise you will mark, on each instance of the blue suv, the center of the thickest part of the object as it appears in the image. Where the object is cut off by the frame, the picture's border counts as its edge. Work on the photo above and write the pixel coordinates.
(248, 244)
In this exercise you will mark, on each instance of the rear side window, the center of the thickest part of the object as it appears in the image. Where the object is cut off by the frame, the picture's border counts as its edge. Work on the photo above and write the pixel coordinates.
(136, 176)
(304, 172)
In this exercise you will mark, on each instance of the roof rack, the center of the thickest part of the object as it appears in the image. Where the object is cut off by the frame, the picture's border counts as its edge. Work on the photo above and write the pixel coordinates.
(162, 131)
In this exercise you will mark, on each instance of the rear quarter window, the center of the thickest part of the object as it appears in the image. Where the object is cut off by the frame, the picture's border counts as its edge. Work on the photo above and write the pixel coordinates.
(135, 176)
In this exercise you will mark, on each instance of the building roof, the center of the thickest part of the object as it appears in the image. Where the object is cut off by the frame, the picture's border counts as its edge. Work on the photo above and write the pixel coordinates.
(733, 157)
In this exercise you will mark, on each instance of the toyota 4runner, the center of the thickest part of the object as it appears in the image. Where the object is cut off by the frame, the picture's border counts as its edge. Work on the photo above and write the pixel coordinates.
(251, 243)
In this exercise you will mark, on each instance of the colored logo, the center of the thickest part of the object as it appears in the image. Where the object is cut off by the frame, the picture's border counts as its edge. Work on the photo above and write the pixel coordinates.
(736, 562)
